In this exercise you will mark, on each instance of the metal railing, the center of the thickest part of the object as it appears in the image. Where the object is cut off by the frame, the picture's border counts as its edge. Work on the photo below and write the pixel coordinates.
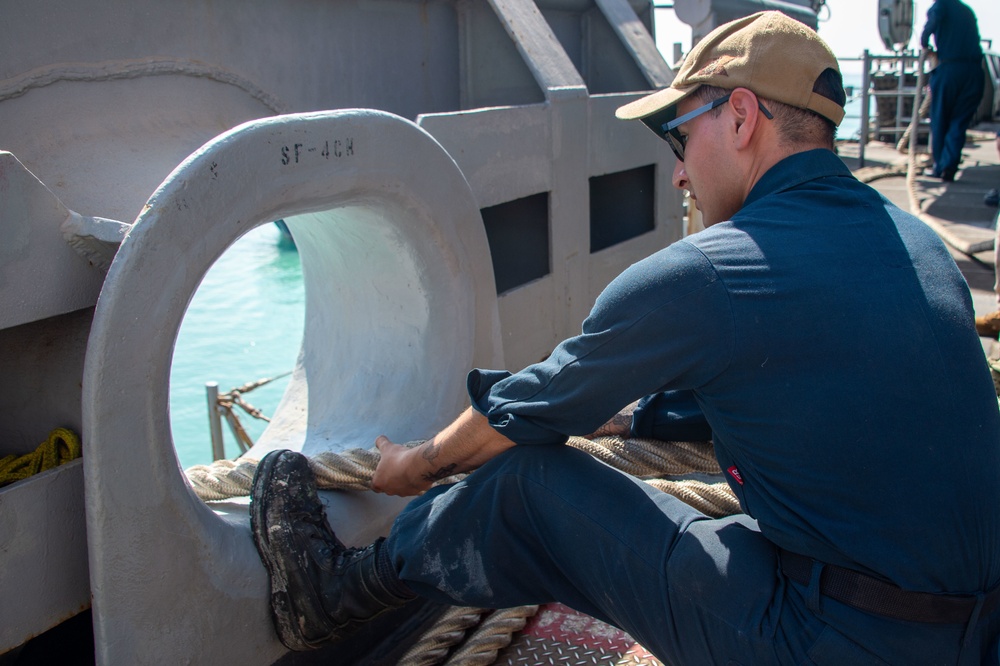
(220, 406)
(904, 67)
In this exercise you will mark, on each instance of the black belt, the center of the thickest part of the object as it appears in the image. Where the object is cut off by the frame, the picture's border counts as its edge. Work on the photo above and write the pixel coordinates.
(875, 596)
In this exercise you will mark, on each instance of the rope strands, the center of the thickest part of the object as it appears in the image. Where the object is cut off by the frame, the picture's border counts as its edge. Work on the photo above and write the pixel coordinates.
(352, 469)
(62, 446)
(435, 645)
(492, 635)
(644, 457)
(222, 479)
(712, 499)
(450, 642)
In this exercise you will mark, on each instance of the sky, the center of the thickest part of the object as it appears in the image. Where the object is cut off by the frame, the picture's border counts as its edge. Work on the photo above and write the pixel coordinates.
(848, 26)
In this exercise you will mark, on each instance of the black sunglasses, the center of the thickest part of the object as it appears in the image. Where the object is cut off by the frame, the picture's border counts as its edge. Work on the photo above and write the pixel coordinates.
(678, 141)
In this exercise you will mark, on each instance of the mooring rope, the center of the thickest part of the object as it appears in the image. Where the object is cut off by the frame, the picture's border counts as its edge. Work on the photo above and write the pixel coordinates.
(493, 631)
(646, 457)
(353, 469)
(712, 499)
(451, 628)
(494, 634)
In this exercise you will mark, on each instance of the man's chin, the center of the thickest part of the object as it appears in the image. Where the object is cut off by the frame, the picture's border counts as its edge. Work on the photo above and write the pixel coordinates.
(708, 219)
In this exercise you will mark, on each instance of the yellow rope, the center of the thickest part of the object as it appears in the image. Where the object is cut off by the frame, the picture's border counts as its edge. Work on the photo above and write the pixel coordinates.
(62, 446)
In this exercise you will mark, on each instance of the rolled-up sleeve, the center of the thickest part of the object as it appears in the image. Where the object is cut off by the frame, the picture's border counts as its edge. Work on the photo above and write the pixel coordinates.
(665, 323)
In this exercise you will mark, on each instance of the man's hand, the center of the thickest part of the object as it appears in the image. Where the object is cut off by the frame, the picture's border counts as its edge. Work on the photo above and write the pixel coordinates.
(396, 473)
(461, 447)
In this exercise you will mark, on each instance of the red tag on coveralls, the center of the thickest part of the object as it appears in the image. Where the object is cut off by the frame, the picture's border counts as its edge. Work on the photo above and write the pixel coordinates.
(736, 474)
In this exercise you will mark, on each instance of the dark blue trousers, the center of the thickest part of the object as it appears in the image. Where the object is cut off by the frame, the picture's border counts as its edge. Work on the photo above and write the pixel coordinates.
(956, 91)
(550, 523)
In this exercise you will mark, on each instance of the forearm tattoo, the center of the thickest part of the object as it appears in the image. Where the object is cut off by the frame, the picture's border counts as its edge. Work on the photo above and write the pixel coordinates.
(441, 473)
(430, 453)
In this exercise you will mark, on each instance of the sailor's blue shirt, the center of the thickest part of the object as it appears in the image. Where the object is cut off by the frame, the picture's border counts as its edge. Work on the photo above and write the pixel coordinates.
(827, 338)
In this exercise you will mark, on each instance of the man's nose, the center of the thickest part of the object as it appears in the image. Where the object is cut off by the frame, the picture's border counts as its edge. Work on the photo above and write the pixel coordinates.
(679, 178)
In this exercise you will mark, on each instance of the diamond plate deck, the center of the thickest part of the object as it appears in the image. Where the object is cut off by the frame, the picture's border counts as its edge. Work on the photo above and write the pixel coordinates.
(560, 635)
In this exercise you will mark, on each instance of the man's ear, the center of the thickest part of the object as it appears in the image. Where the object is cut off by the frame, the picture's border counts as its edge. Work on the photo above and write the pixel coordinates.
(745, 108)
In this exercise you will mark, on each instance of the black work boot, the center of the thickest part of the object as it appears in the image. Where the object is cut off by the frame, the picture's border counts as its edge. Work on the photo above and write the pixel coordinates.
(320, 590)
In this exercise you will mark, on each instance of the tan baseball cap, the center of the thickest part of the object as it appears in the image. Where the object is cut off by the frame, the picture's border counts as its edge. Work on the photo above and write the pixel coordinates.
(769, 53)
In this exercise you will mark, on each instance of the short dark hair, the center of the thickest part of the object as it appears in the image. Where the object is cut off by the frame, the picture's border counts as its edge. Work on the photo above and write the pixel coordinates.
(796, 125)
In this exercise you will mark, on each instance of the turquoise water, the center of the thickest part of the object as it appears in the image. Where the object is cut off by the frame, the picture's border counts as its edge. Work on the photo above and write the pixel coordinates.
(244, 323)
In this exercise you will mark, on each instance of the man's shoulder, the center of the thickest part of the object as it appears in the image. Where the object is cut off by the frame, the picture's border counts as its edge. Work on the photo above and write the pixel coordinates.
(680, 270)
(684, 264)
(685, 255)
(713, 249)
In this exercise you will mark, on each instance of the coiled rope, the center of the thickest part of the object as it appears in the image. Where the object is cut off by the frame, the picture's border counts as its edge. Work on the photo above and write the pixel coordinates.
(62, 446)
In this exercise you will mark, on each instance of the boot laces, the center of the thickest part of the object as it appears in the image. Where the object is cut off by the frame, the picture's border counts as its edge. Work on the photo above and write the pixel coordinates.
(320, 531)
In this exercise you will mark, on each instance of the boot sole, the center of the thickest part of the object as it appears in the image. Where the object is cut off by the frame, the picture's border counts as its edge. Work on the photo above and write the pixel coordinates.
(282, 614)
(382, 642)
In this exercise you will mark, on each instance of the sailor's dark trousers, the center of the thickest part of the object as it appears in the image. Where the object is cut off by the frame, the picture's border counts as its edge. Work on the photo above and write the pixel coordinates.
(550, 523)
(956, 92)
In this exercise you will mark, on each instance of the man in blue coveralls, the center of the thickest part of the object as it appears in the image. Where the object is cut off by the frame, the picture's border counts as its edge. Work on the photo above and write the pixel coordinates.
(822, 334)
(956, 83)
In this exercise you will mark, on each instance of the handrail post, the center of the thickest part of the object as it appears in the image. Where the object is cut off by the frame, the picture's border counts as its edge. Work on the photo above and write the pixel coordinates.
(915, 116)
(865, 103)
(215, 420)
(900, 86)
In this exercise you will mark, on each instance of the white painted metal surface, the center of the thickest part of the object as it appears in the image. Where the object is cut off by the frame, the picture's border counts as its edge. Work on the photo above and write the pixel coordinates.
(399, 304)
(47, 288)
(39, 271)
(44, 577)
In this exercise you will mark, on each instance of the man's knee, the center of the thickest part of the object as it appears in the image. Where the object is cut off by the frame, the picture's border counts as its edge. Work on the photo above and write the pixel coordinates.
(520, 459)
(561, 470)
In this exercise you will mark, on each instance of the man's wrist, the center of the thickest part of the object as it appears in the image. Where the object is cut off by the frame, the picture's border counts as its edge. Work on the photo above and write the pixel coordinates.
(432, 469)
